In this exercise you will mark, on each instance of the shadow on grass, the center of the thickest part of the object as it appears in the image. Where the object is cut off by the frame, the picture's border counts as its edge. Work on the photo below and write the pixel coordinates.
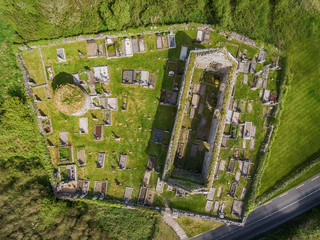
(61, 79)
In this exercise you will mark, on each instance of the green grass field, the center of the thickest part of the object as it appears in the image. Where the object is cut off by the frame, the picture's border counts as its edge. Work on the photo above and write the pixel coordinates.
(297, 138)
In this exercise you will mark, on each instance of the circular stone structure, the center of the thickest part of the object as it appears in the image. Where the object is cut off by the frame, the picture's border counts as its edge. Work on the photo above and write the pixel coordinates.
(69, 99)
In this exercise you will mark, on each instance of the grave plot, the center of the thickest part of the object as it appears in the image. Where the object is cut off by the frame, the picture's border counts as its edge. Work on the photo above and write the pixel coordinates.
(165, 41)
(127, 47)
(237, 208)
(100, 189)
(98, 132)
(124, 105)
(149, 197)
(101, 159)
(64, 139)
(203, 35)
(81, 156)
(101, 74)
(171, 68)
(142, 195)
(84, 188)
(127, 194)
(61, 55)
(138, 77)
(168, 97)
(107, 118)
(92, 49)
(151, 163)
(231, 166)
(67, 173)
(64, 154)
(83, 125)
(233, 189)
(111, 49)
(123, 161)
(46, 124)
(245, 169)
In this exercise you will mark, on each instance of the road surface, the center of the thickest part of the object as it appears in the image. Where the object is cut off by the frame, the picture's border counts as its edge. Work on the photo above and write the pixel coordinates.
(273, 213)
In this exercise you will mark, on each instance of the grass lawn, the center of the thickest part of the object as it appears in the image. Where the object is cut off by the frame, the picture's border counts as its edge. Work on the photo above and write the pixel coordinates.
(194, 226)
(297, 140)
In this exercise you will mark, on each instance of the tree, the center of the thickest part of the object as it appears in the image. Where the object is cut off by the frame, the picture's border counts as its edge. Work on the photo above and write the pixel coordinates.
(116, 15)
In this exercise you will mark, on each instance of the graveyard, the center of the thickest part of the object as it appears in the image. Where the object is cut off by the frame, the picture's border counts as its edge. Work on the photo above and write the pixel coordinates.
(177, 115)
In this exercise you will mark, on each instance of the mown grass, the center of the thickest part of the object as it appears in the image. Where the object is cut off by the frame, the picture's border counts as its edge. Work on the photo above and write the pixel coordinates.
(296, 140)
(195, 226)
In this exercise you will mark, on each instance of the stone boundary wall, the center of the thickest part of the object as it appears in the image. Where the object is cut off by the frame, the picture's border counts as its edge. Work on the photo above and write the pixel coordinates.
(180, 213)
(217, 144)
(172, 149)
(29, 94)
(28, 90)
(106, 35)
(169, 159)
(240, 38)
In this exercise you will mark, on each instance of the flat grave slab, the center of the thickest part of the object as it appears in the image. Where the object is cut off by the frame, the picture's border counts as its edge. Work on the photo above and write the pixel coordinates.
(243, 193)
(237, 208)
(83, 125)
(81, 156)
(252, 143)
(101, 159)
(100, 188)
(123, 161)
(112, 104)
(64, 139)
(209, 205)
(222, 165)
(210, 194)
(128, 194)
(216, 206)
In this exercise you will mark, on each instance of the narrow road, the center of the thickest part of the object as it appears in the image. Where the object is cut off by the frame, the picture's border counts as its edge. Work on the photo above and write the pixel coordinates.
(273, 213)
